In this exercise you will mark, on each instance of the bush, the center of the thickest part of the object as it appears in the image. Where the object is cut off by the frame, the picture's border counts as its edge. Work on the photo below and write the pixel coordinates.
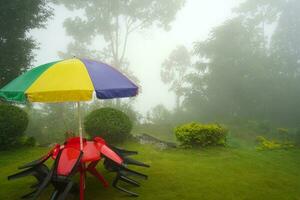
(297, 136)
(27, 141)
(13, 123)
(265, 144)
(195, 134)
(283, 133)
(111, 124)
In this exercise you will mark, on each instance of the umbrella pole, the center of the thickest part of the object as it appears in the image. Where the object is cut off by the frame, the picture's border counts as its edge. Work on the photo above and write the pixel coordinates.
(80, 126)
(82, 168)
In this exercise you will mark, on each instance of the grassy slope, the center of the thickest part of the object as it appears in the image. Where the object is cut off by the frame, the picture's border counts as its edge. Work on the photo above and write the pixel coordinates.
(224, 173)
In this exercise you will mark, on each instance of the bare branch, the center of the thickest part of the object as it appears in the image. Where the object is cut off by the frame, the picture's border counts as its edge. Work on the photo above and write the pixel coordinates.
(138, 26)
(125, 42)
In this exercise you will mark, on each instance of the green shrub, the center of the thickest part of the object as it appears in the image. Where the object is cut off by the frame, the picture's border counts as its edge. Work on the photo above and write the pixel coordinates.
(195, 134)
(13, 123)
(297, 137)
(30, 142)
(27, 141)
(111, 124)
(265, 144)
(283, 131)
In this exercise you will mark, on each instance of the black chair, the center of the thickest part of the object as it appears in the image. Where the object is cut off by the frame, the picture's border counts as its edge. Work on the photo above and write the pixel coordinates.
(60, 175)
(35, 168)
(123, 173)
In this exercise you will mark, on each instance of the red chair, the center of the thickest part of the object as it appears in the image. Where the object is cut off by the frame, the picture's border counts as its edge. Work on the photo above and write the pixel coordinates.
(65, 166)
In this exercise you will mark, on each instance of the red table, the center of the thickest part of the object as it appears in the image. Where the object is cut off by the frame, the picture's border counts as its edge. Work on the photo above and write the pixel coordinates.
(90, 158)
(70, 159)
(89, 161)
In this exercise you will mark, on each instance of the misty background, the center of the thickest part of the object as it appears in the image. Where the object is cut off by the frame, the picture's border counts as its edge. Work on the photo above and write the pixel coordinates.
(218, 102)
(232, 62)
(147, 49)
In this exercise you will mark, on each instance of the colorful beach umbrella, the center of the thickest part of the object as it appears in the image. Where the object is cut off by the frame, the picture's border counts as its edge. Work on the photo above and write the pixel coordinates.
(71, 80)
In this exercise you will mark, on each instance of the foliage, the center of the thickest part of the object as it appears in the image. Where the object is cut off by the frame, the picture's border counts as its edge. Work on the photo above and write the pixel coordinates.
(49, 122)
(260, 12)
(126, 106)
(113, 21)
(27, 141)
(111, 124)
(297, 137)
(283, 133)
(30, 141)
(174, 70)
(195, 134)
(242, 68)
(159, 115)
(230, 85)
(265, 144)
(17, 18)
(13, 123)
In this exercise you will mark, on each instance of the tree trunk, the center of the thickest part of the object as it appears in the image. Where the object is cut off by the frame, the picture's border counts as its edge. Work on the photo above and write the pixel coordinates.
(177, 103)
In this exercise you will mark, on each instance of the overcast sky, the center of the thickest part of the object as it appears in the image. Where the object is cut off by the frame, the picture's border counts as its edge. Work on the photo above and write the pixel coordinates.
(147, 49)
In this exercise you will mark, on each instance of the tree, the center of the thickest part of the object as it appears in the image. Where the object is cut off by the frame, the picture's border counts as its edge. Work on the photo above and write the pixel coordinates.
(260, 11)
(126, 107)
(17, 18)
(111, 22)
(235, 71)
(239, 77)
(174, 70)
(283, 52)
(286, 57)
(159, 115)
(286, 41)
(50, 122)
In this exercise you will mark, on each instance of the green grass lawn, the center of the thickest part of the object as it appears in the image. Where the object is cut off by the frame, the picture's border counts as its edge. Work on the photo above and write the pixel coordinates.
(219, 173)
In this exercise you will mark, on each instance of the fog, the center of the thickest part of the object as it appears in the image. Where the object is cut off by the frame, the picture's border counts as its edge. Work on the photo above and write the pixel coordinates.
(233, 62)
(207, 88)
(147, 49)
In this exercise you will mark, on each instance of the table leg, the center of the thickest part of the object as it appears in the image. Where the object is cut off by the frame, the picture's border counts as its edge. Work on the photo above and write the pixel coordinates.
(82, 182)
(93, 164)
(99, 176)
(92, 169)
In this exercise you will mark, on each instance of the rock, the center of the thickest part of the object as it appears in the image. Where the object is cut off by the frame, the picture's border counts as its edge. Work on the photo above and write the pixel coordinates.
(148, 139)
